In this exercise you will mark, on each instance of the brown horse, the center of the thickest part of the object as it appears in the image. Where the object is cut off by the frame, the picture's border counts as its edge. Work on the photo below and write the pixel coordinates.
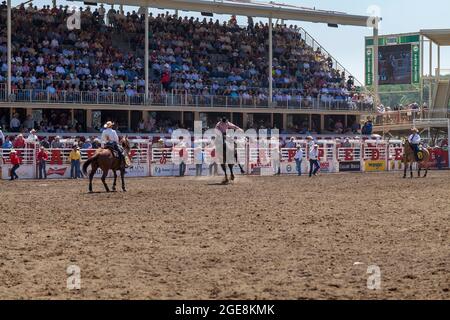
(105, 160)
(410, 158)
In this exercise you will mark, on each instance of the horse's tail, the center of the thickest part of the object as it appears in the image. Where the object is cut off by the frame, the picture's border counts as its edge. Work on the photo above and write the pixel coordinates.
(88, 163)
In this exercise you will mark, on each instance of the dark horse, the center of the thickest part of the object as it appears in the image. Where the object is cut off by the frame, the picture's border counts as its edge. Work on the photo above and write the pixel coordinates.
(105, 160)
(409, 158)
(226, 149)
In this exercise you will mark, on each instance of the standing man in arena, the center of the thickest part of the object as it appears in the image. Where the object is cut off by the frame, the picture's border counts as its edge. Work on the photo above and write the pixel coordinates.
(75, 159)
(16, 162)
(414, 140)
(42, 158)
(298, 160)
(183, 153)
(314, 164)
(111, 139)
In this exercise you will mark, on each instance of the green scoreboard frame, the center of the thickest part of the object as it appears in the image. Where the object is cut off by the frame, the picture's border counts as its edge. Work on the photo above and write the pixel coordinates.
(393, 40)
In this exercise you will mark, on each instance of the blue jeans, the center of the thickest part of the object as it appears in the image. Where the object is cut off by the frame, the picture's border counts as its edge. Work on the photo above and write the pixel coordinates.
(182, 169)
(75, 172)
(42, 169)
(13, 172)
(298, 163)
(198, 170)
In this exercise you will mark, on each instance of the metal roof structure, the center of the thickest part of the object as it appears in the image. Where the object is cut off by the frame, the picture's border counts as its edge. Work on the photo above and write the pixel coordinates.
(439, 36)
(252, 8)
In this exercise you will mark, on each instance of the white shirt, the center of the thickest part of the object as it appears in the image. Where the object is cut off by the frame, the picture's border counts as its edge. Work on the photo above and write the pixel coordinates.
(32, 138)
(110, 135)
(299, 154)
(2, 136)
(414, 138)
(313, 154)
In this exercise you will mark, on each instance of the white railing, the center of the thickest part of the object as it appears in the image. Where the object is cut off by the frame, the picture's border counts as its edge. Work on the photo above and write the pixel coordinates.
(170, 99)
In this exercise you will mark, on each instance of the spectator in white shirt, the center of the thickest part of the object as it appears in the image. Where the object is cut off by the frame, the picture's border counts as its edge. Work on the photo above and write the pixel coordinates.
(314, 164)
(32, 137)
(298, 160)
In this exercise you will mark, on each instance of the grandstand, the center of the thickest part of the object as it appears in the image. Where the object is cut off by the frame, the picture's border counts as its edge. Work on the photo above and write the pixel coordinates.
(72, 81)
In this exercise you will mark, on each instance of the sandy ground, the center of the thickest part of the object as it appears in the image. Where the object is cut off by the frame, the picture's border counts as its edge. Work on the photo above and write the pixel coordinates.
(277, 238)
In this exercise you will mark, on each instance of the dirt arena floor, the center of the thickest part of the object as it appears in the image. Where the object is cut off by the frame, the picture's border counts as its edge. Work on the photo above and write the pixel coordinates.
(261, 238)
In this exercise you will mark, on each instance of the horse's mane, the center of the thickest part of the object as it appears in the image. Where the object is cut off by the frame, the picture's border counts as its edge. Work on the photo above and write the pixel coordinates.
(125, 143)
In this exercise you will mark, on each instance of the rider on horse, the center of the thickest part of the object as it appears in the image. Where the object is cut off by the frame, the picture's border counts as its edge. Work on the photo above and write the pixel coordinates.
(110, 139)
(224, 125)
(414, 140)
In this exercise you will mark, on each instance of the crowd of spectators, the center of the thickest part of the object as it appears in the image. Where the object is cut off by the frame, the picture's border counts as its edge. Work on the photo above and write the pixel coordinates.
(188, 56)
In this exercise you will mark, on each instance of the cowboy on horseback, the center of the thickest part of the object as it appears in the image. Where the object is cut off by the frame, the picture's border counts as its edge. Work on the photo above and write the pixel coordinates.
(110, 139)
(414, 140)
(223, 126)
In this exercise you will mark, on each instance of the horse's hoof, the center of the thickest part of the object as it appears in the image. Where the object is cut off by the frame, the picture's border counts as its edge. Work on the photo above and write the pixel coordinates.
(124, 190)
(232, 178)
(225, 182)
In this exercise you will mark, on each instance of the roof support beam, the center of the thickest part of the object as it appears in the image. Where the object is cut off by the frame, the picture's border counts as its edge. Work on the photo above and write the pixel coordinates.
(276, 11)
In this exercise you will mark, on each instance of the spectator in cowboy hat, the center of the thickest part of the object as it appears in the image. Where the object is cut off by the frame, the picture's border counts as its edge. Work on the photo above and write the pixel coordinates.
(291, 143)
(75, 158)
(19, 142)
(16, 162)
(32, 137)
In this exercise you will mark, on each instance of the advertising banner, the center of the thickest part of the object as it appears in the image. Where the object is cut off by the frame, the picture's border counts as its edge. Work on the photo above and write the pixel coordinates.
(374, 166)
(352, 166)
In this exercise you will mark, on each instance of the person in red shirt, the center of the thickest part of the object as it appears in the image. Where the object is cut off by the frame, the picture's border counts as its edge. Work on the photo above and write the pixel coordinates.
(42, 158)
(19, 142)
(16, 162)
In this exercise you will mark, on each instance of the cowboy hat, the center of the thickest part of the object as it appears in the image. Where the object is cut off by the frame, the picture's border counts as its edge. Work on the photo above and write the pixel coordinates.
(309, 138)
(33, 131)
(415, 130)
(109, 124)
(13, 151)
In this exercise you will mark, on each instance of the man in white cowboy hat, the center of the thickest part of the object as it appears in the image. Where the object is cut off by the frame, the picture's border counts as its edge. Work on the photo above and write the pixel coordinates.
(314, 164)
(111, 139)
(32, 137)
(414, 140)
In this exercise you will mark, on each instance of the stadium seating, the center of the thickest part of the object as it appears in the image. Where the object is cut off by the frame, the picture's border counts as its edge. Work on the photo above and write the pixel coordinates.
(187, 56)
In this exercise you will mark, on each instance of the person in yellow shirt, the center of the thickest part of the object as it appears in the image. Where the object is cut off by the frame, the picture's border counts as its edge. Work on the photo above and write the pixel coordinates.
(75, 159)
